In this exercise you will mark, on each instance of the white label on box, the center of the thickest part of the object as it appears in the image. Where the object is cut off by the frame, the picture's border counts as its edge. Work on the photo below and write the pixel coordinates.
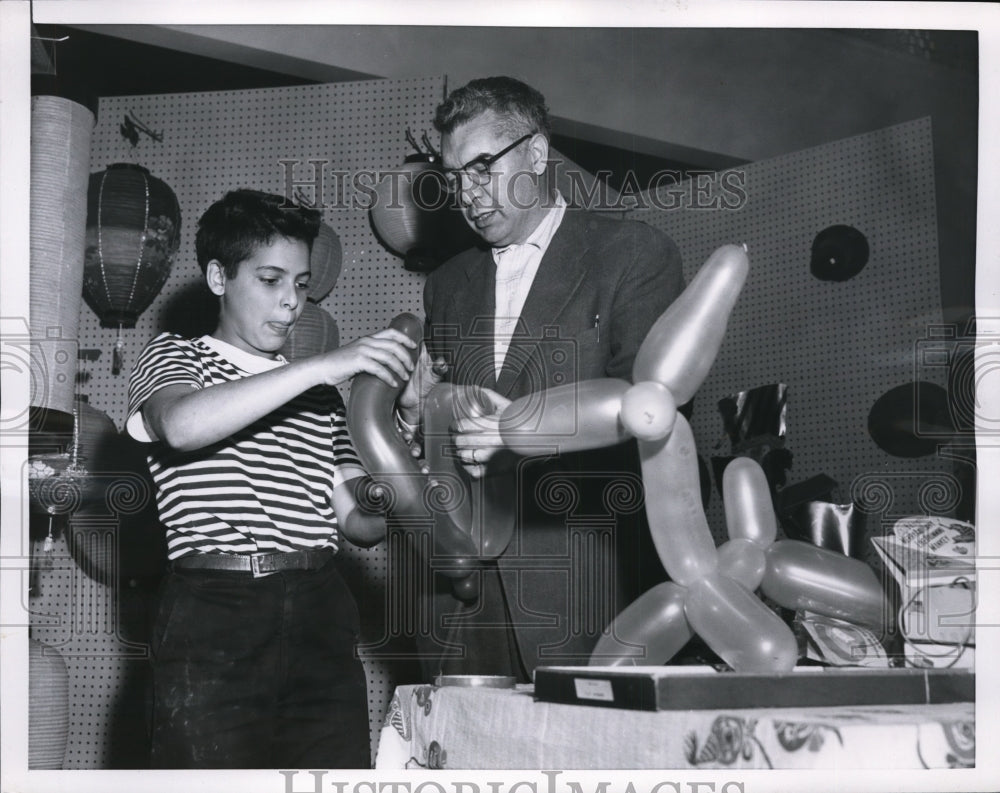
(591, 688)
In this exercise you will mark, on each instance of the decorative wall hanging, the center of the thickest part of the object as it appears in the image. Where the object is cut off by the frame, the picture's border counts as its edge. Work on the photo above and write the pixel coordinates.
(133, 231)
(838, 253)
(911, 420)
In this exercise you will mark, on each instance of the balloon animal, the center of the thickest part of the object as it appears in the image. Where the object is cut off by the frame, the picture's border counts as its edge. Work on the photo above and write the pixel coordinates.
(711, 591)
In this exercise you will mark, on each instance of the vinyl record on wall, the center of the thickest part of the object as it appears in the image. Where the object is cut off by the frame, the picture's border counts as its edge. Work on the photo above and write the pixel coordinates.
(910, 420)
(838, 253)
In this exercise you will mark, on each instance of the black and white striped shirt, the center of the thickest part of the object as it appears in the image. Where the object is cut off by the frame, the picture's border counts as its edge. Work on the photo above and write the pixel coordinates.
(266, 488)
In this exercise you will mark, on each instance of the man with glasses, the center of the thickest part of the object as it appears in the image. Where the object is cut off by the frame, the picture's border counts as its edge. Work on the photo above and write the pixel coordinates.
(555, 294)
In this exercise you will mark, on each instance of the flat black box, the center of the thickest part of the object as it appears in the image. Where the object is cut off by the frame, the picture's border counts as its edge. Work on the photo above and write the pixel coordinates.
(704, 688)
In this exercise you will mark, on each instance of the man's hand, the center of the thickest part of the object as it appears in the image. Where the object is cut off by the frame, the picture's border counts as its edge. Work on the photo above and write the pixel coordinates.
(477, 432)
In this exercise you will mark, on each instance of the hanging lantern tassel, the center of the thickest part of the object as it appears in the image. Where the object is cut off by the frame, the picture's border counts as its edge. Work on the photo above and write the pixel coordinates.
(133, 231)
(118, 355)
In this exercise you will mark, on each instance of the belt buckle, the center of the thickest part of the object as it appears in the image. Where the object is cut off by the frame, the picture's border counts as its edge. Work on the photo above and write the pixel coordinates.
(255, 567)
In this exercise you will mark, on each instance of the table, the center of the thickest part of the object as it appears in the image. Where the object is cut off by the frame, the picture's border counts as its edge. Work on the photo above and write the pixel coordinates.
(452, 727)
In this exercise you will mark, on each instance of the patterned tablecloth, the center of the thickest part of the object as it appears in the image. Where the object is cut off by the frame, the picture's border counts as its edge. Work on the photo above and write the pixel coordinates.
(474, 728)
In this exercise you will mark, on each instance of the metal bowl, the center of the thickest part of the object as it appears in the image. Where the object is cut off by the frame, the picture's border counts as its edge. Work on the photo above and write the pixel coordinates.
(476, 681)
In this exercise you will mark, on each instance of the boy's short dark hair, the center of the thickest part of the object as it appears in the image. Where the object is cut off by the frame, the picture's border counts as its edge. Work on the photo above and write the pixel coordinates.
(505, 96)
(236, 225)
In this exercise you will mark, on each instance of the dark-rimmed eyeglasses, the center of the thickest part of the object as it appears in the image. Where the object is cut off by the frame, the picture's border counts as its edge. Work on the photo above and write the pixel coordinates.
(477, 171)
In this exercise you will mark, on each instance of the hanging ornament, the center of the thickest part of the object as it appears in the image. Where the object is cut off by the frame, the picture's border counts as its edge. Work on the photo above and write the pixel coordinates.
(133, 231)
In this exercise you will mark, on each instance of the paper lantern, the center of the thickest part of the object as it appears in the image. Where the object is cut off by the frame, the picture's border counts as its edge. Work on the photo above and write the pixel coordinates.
(61, 482)
(48, 707)
(60, 157)
(410, 211)
(116, 534)
(324, 263)
(133, 230)
(315, 332)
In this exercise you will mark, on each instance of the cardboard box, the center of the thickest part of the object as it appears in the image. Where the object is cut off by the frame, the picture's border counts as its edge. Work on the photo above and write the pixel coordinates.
(933, 562)
(704, 688)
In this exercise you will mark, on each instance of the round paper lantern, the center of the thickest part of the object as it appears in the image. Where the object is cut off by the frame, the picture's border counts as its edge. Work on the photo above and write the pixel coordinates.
(324, 263)
(60, 158)
(61, 482)
(114, 530)
(133, 230)
(410, 211)
(315, 332)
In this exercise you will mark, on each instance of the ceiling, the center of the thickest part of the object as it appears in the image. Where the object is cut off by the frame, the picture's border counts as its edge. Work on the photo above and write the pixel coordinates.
(633, 131)
(94, 62)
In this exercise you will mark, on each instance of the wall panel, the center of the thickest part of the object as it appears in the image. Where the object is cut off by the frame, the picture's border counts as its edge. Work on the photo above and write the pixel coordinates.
(838, 346)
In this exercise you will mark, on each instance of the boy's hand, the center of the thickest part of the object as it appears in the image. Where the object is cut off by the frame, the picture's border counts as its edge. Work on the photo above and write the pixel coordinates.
(426, 375)
(385, 354)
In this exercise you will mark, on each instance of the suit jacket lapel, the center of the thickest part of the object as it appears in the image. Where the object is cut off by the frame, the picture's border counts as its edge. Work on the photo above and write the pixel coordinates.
(476, 305)
(556, 281)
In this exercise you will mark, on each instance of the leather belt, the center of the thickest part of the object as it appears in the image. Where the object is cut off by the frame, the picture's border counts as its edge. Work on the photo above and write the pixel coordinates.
(259, 564)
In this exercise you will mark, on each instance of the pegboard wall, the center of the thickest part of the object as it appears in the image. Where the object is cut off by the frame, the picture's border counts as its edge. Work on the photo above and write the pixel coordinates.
(211, 143)
(269, 139)
(837, 346)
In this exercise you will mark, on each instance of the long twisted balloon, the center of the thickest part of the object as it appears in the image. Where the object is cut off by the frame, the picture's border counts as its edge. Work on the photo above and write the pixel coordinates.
(408, 494)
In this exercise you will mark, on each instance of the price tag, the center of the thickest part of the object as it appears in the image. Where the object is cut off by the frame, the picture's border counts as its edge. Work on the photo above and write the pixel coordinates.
(590, 688)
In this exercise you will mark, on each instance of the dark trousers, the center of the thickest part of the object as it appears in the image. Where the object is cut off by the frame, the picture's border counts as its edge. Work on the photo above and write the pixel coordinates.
(470, 638)
(258, 672)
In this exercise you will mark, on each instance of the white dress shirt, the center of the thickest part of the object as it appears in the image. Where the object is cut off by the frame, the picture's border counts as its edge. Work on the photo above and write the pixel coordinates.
(516, 268)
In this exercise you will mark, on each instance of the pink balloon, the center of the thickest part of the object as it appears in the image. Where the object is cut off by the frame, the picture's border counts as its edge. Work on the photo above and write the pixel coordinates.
(744, 561)
(747, 499)
(802, 576)
(682, 345)
(566, 418)
(744, 632)
(673, 505)
(649, 632)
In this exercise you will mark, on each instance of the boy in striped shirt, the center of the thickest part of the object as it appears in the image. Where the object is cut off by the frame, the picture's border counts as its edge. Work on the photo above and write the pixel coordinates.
(253, 648)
